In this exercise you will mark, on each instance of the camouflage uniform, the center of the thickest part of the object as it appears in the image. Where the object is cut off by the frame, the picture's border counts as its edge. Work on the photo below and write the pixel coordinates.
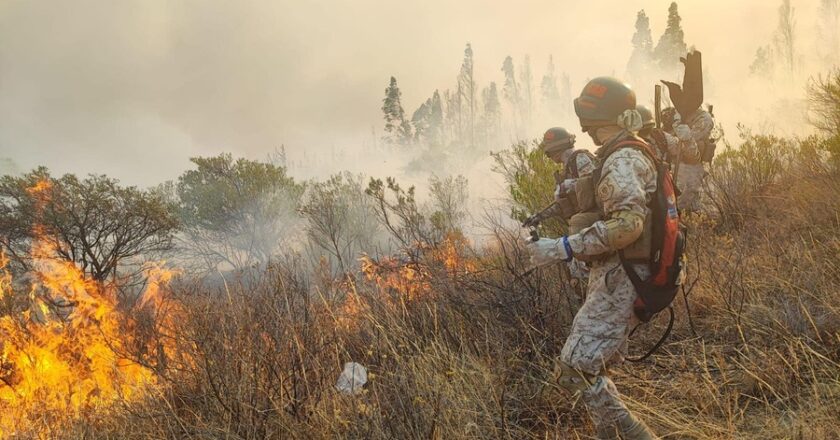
(599, 332)
(583, 165)
(691, 173)
(669, 148)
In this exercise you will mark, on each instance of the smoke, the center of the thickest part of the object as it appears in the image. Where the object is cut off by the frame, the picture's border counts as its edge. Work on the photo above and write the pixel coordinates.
(134, 88)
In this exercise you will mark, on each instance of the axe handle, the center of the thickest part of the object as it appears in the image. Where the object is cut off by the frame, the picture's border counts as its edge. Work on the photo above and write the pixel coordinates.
(657, 105)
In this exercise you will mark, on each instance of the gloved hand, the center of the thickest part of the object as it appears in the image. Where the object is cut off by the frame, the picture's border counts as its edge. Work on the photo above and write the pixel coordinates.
(578, 269)
(548, 250)
(565, 186)
(533, 220)
(683, 132)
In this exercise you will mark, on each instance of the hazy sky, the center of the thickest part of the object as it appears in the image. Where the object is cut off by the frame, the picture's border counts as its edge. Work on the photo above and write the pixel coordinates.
(133, 88)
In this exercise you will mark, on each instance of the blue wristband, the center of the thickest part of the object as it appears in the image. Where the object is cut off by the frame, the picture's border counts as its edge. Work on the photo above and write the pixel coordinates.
(568, 248)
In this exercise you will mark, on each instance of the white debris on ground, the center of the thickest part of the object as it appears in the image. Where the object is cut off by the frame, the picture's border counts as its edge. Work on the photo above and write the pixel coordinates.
(352, 379)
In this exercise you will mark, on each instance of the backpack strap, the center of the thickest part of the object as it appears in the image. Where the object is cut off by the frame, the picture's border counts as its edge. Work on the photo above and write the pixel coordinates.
(645, 149)
(661, 142)
(571, 165)
(632, 142)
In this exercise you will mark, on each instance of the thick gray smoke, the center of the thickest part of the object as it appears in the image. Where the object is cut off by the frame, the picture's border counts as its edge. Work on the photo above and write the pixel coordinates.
(133, 88)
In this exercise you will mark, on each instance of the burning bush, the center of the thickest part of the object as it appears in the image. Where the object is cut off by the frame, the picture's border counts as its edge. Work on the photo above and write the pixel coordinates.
(65, 342)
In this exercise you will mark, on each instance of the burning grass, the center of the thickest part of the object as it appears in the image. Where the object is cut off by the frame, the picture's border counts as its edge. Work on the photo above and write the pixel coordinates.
(456, 343)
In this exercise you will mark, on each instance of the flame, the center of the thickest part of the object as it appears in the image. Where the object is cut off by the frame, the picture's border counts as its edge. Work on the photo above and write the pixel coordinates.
(450, 253)
(62, 357)
(409, 281)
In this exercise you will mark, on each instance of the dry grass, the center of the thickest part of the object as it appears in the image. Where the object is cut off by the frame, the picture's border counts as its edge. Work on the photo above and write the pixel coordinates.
(466, 354)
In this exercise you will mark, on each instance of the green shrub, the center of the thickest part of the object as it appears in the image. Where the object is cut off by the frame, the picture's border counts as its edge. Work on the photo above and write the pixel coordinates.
(529, 175)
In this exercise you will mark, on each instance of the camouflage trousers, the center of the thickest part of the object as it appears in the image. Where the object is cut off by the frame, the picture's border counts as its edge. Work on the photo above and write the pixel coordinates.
(598, 338)
(690, 183)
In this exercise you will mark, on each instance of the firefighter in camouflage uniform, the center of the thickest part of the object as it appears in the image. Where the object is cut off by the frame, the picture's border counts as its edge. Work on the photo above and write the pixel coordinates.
(691, 171)
(622, 189)
(671, 148)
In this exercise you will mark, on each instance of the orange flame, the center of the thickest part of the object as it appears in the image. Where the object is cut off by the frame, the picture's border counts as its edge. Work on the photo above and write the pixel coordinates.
(411, 282)
(62, 357)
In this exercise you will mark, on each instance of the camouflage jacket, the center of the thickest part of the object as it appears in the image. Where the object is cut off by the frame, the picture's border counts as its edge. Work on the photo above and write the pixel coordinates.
(579, 164)
(702, 124)
(627, 183)
(669, 148)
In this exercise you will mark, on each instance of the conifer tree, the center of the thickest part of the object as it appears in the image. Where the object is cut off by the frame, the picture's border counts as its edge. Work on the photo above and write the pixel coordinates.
(671, 45)
(642, 56)
(435, 130)
(492, 115)
(527, 89)
(420, 120)
(829, 30)
(427, 121)
(548, 89)
(452, 115)
(784, 40)
(510, 90)
(565, 93)
(466, 94)
(762, 65)
(397, 127)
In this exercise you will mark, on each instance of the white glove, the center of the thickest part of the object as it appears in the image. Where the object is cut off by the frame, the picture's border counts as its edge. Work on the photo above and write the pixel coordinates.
(683, 132)
(547, 251)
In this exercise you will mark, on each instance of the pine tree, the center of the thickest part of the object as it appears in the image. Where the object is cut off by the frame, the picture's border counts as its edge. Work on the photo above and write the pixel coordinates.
(526, 79)
(640, 60)
(548, 89)
(492, 115)
(762, 65)
(511, 87)
(397, 128)
(565, 93)
(452, 115)
(511, 90)
(466, 94)
(829, 30)
(404, 132)
(671, 45)
(435, 130)
(784, 41)
(427, 121)
(420, 120)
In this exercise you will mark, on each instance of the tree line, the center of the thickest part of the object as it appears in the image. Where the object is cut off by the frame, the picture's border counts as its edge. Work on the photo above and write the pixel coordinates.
(224, 213)
(474, 117)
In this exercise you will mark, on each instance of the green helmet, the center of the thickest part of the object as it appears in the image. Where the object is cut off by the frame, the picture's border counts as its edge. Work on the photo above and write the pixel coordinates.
(647, 116)
(556, 140)
(602, 101)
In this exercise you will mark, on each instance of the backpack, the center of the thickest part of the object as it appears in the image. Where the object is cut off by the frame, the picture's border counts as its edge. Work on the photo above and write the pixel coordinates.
(668, 240)
(707, 150)
(571, 171)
